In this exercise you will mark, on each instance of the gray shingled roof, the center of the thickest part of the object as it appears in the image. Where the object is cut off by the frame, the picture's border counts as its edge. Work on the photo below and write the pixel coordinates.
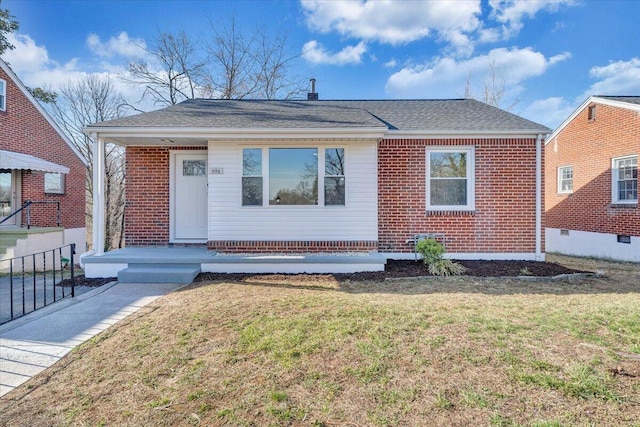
(401, 115)
(628, 99)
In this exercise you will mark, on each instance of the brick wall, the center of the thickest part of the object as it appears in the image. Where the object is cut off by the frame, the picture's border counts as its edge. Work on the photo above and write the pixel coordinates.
(589, 146)
(504, 216)
(24, 130)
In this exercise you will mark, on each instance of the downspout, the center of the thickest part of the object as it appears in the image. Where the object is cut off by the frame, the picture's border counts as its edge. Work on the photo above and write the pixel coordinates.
(97, 199)
(539, 255)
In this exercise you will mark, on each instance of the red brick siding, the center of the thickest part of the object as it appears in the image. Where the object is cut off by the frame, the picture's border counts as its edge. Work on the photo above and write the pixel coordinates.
(589, 146)
(504, 216)
(147, 195)
(24, 130)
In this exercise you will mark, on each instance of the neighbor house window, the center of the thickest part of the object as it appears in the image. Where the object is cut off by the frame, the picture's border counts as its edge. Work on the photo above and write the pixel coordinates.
(624, 179)
(54, 183)
(565, 179)
(3, 95)
(450, 179)
(591, 112)
(252, 177)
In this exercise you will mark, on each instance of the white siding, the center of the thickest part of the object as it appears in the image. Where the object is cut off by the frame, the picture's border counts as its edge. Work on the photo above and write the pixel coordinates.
(589, 244)
(358, 220)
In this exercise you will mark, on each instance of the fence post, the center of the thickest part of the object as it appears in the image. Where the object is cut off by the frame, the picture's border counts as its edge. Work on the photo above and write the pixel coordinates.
(73, 280)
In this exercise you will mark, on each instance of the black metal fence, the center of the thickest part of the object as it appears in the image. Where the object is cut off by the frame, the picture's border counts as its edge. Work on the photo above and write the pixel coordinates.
(30, 282)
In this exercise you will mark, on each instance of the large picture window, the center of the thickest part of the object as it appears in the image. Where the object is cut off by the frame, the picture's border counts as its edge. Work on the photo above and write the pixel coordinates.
(450, 180)
(294, 176)
(624, 179)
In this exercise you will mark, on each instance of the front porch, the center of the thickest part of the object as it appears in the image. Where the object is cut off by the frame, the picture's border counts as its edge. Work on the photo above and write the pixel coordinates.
(177, 264)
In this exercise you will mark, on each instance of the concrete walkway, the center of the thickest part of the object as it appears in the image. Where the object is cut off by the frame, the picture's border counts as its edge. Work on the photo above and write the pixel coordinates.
(32, 343)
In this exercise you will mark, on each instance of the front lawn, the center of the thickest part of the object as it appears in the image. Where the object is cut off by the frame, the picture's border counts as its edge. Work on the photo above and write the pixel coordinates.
(315, 351)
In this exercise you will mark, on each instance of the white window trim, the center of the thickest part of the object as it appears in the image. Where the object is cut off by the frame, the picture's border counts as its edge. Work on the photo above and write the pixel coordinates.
(614, 182)
(321, 175)
(471, 178)
(3, 95)
(560, 169)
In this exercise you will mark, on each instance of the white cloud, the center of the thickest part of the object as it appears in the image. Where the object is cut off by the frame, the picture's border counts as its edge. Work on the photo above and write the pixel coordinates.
(511, 13)
(26, 56)
(120, 45)
(616, 78)
(394, 22)
(391, 63)
(315, 53)
(447, 76)
(550, 112)
(32, 65)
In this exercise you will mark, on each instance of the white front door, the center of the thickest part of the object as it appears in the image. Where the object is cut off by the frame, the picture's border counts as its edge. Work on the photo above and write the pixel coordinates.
(190, 197)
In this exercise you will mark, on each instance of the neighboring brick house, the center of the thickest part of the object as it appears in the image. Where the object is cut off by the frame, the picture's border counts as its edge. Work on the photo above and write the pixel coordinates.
(592, 180)
(38, 163)
(245, 176)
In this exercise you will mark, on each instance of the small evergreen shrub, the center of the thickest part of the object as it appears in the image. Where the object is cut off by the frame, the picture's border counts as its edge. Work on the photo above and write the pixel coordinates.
(432, 252)
(430, 249)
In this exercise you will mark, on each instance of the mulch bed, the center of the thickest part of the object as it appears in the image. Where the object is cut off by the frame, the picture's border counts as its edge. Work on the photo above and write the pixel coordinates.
(409, 268)
(394, 269)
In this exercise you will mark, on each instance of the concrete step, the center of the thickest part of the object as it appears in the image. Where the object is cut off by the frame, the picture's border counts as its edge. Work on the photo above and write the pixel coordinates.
(159, 273)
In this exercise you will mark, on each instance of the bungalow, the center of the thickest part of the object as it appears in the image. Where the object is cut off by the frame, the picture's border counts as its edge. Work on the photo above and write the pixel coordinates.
(247, 178)
(592, 180)
(42, 177)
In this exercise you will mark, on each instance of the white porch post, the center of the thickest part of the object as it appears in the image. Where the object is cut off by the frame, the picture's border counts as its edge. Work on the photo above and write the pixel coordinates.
(98, 195)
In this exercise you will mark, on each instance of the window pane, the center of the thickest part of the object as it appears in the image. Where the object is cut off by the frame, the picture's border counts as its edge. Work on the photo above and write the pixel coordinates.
(452, 165)
(293, 176)
(448, 192)
(252, 162)
(194, 168)
(251, 191)
(334, 161)
(334, 191)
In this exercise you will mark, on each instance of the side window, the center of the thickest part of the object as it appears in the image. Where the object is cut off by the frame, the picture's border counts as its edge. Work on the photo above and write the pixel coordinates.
(450, 179)
(3, 95)
(252, 177)
(334, 177)
(54, 183)
(565, 179)
(624, 180)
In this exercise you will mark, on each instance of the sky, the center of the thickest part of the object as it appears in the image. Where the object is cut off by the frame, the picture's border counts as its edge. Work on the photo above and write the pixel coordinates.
(549, 56)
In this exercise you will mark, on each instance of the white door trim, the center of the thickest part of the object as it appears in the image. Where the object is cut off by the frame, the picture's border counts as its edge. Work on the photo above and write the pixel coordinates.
(172, 195)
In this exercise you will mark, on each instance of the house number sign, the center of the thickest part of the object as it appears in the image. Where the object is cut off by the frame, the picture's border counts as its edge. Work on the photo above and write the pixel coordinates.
(216, 171)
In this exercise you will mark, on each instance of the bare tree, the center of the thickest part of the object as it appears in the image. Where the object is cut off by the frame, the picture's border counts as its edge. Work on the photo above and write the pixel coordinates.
(230, 64)
(253, 66)
(175, 74)
(493, 88)
(79, 104)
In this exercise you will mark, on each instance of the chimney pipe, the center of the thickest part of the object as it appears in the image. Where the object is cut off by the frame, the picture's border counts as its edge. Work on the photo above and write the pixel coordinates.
(312, 96)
